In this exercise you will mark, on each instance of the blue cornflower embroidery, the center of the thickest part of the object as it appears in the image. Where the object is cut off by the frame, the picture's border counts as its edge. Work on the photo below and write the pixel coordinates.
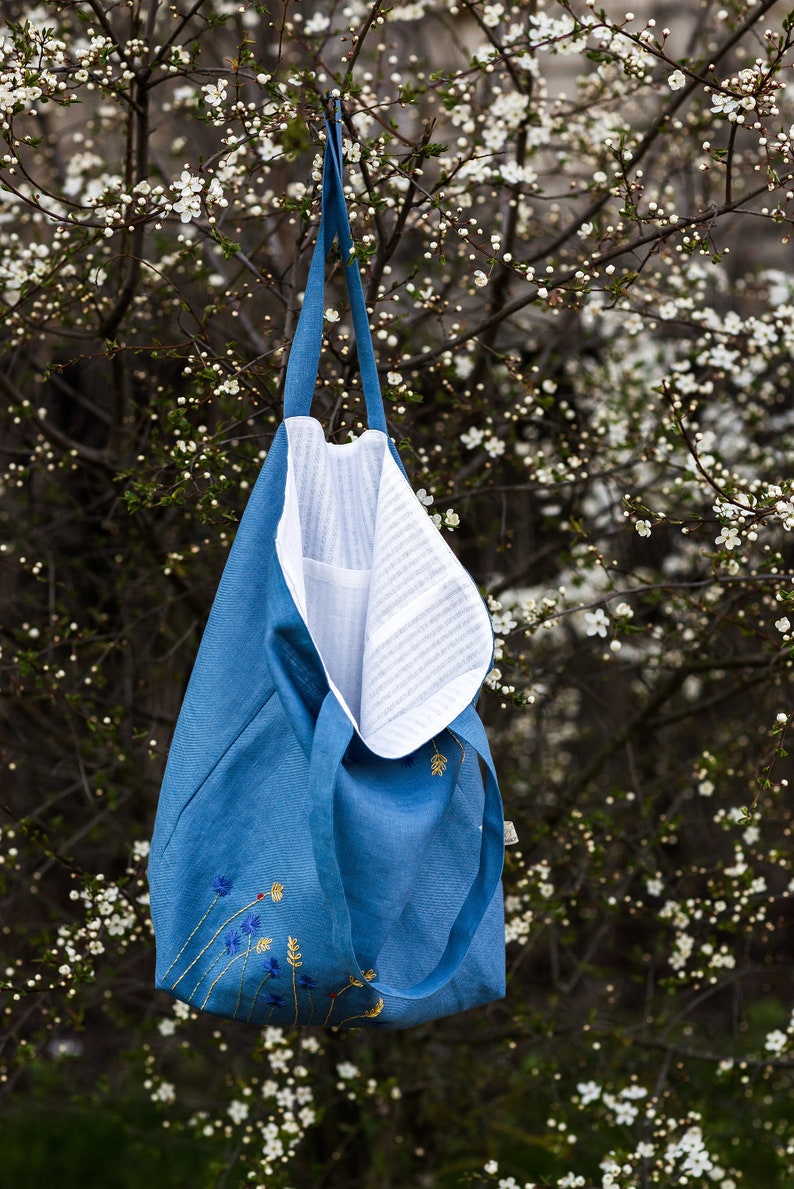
(307, 982)
(271, 967)
(273, 1001)
(232, 942)
(236, 945)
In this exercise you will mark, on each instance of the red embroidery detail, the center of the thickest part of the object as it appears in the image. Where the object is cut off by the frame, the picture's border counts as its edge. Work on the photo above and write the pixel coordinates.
(261, 896)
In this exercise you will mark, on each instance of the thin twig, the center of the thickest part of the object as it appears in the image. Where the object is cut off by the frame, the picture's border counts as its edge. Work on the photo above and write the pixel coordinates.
(658, 236)
(186, 19)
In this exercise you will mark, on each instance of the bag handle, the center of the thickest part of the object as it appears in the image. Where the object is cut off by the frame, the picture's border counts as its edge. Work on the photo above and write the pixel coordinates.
(332, 736)
(304, 356)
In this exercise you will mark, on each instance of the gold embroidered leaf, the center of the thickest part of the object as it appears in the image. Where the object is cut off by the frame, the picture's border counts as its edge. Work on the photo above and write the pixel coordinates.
(438, 764)
(294, 955)
(354, 981)
(374, 1011)
(276, 892)
(369, 975)
(263, 944)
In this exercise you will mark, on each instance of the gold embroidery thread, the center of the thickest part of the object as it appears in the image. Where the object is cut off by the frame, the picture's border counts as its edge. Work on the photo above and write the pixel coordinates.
(365, 1015)
(241, 942)
(438, 763)
(294, 957)
(276, 893)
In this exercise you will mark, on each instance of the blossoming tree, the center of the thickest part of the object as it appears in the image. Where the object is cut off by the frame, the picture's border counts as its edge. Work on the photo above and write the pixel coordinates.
(573, 224)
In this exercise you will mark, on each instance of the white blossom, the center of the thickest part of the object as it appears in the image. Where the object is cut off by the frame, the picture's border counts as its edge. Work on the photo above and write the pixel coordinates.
(215, 195)
(237, 1111)
(215, 93)
(776, 1041)
(318, 23)
(495, 447)
(588, 1092)
(596, 622)
(188, 186)
(472, 438)
(728, 537)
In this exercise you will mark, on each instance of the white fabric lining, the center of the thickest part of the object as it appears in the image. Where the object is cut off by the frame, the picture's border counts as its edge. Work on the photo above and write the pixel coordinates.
(402, 632)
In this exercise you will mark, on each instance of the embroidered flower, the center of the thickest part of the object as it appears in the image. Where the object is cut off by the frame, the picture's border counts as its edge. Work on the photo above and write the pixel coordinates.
(271, 967)
(221, 885)
(274, 1000)
(232, 942)
(251, 924)
(307, 982)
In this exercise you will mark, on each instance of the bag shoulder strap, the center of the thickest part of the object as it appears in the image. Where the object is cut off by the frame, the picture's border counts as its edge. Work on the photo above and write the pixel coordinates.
(304, 355)
(332, 736)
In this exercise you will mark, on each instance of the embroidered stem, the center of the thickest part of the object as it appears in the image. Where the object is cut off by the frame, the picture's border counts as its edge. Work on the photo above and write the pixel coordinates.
(192, 935)
(275, 893)
(294, 959)
(460, 745)
(242, 976)
(334, 996)
(220, 976)
(204, 975)
(364, 1015)
(352, 982)
(256, 996)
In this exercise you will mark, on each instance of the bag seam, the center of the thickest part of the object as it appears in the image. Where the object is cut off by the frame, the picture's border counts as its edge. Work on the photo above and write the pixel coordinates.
(214, 768)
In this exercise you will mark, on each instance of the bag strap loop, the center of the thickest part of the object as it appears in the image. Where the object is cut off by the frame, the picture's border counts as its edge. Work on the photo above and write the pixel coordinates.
(304, 357)
(332, 736)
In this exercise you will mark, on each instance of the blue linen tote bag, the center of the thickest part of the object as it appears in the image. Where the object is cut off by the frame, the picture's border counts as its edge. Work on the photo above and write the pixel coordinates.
(329, 837)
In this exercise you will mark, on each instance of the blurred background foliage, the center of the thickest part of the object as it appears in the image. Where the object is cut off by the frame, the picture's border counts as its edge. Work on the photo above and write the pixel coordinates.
(573, 224)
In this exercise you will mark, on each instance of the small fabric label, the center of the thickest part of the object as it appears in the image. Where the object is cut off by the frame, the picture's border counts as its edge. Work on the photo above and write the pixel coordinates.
(511, 836)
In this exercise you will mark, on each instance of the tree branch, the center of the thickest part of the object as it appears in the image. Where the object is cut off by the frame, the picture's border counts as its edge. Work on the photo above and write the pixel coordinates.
(658, 236)
(88, 454)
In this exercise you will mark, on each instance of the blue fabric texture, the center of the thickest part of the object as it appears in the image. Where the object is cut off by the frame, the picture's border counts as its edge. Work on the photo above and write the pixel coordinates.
(301, 872)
